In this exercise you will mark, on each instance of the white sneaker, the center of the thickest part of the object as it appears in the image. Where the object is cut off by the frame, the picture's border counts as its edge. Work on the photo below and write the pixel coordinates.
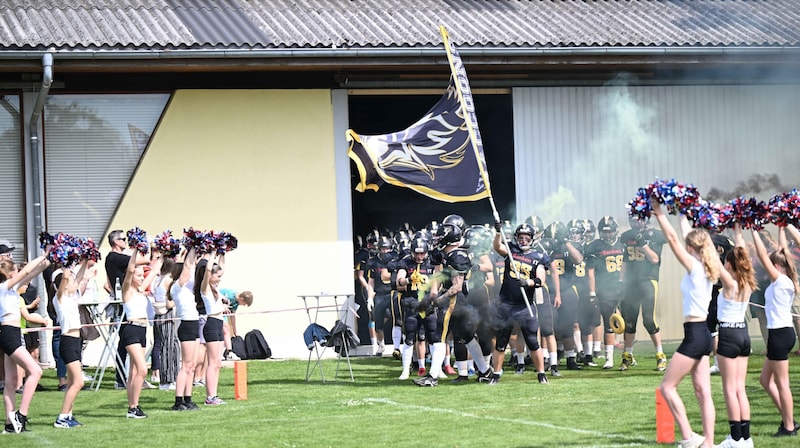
(232, 356)
(87, 377)
(442, 375)
(170, 386)
(714, 370)
(609, 364)
(404, 375)
(147, 385)
(695, 442)
(730, 443)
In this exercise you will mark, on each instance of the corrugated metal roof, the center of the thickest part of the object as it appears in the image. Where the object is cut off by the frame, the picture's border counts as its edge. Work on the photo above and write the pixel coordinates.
(248, 24)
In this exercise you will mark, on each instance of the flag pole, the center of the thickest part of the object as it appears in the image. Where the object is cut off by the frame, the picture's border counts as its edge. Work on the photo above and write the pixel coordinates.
(468, 109)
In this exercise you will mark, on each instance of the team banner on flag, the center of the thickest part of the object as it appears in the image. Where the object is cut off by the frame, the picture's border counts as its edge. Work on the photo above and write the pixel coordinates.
(440, 155)
(433, 156)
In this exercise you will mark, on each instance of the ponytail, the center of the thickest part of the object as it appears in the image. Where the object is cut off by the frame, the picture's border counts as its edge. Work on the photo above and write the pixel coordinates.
(701, 241)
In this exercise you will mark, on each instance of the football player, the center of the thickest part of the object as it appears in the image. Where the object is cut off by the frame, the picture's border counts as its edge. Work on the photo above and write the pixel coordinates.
(413, 277)
(639, 276)
(380, 290)
(604, 262)
(522, 282)
(564, 257)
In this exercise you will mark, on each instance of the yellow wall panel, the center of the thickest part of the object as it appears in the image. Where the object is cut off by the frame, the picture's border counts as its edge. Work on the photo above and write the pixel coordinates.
(258, 164)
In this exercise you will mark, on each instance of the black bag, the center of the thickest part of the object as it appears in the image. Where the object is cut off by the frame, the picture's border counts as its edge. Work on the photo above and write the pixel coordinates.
(256, 345)
(238, 347)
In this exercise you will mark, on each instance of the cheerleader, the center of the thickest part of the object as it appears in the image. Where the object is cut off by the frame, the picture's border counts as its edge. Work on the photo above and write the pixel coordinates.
(69, 319)
(778, 299)
(15, 354)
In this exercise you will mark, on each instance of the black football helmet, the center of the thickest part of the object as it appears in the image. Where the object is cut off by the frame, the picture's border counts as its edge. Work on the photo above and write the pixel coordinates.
(526, 229)
(637, 223)
(449, 234)
(576, 230)
(556, 230)
(608, 229)
(384, 243)
(535, 222)
(477, 239)
(419, 249)
(455, 220)
(372, 240)
(590, 231)
(402, 241)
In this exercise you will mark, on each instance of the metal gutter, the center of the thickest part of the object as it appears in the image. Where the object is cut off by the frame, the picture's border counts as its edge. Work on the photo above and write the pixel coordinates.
(71, 54)
(38, 209)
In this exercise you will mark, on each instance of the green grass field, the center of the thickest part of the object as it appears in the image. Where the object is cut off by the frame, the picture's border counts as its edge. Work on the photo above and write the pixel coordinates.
(594, 408)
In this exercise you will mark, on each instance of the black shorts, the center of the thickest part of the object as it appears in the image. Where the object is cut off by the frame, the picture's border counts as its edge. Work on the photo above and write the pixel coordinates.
(31, 340)
(10, 339)
(130, 334)
(734, 340)
(779, 343)
(212, 330)
(697, 341)
(189, 330)
(70, 349)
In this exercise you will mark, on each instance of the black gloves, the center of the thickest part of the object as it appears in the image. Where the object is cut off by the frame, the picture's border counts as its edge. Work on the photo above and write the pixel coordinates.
(498, 226)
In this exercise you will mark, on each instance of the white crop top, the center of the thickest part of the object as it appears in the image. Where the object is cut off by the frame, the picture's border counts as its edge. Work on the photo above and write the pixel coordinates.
(67, 310)
(136, 307)
(729, 310)
(9, 304)
(778, 302)
(183, 296)
(696, 290)
(213, 305)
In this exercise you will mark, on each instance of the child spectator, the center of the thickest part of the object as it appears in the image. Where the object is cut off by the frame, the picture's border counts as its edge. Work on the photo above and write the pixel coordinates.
(232, 300)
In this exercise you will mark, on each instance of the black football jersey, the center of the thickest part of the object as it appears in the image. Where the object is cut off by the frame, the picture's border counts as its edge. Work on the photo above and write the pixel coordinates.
(637, 267)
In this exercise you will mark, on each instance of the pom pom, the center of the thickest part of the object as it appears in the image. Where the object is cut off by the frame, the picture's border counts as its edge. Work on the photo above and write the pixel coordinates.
(783, 208)
(170, 247)
(65, 250)
(89, 250)
(224, 242)
(640, 207)
(137, 239)
(710, 216)
(45, 239)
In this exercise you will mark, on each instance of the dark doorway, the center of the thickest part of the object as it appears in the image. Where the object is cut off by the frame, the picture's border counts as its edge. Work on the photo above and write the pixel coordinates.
(390, 207)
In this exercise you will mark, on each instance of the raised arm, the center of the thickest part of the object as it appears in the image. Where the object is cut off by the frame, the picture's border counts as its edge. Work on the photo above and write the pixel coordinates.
(671, 236)
(189, 266)
(127, 282)
(794, 234)
(763, 256)
(31, 270)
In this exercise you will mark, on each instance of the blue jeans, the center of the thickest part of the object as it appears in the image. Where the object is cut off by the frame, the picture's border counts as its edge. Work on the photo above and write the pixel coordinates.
(61, 368)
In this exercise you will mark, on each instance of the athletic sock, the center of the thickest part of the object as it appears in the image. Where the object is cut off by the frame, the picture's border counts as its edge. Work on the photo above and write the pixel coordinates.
(554, 358)
(474, 349)
(745, 425)
(406, 353)
(736, 430)
(397, 337)
(596, 347)
(659, 349)
(178, 401)
(520, 358)
(463, 368)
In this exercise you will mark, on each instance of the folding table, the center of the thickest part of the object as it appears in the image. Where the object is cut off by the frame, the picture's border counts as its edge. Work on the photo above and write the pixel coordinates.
(324, 303)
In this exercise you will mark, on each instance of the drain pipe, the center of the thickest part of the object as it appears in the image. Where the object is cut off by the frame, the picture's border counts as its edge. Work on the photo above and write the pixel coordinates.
(45, 355)
(47, 81)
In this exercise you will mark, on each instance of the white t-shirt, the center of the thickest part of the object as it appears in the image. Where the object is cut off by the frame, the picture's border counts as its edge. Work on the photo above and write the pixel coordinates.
(696, 290)
(778, 302)
(9, 303)
(183, 296)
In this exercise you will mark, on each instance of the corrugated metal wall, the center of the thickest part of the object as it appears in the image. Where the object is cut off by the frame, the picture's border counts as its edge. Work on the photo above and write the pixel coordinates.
(584, 151)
